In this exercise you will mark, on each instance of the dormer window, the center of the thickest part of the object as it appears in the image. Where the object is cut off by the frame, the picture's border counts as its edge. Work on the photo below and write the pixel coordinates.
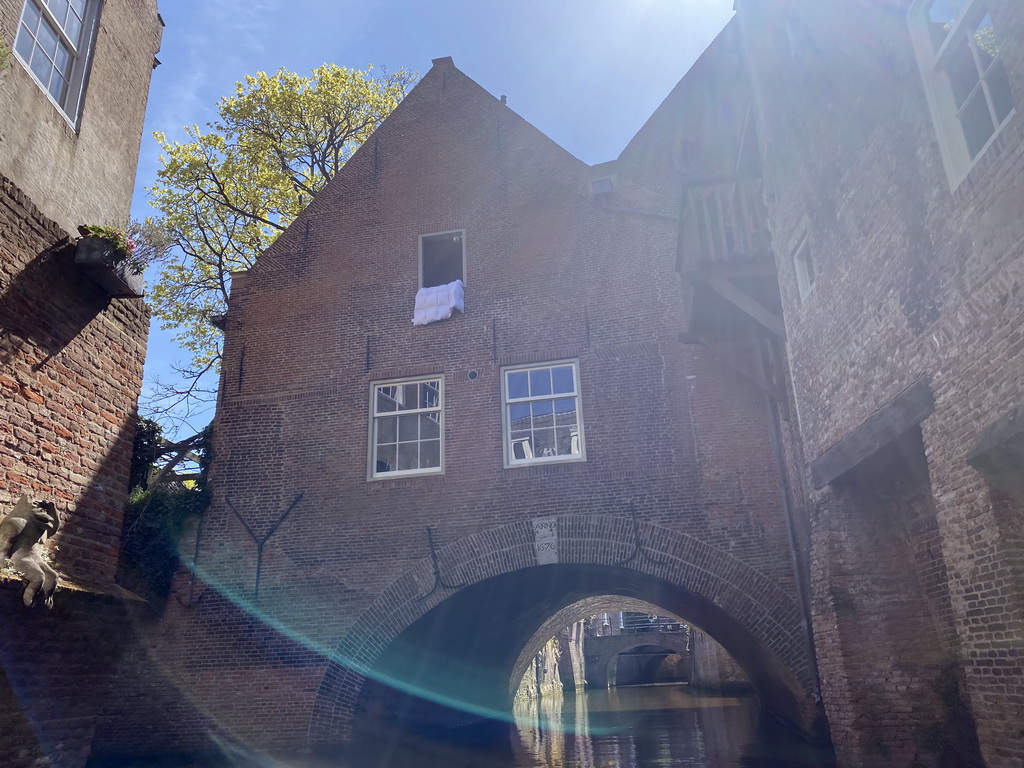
(442, 258)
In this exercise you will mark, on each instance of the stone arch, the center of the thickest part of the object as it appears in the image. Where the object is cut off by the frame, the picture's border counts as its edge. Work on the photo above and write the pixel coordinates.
(609, 653)
(756, 621)
(581, 609)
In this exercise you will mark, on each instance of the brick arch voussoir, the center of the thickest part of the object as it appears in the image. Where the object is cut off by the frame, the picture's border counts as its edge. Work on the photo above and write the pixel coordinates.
(759, 605)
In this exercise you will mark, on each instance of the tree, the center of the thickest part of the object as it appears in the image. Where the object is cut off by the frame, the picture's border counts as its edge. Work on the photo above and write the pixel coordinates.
(226, 193)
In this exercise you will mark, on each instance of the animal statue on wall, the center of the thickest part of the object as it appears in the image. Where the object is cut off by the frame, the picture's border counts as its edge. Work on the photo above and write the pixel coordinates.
(22, 534)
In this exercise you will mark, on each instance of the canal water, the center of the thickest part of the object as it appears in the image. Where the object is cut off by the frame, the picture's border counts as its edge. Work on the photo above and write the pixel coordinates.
(657, 726)
(626, 727)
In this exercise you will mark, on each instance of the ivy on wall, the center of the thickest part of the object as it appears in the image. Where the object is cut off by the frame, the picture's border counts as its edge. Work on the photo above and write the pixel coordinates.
(158, 514)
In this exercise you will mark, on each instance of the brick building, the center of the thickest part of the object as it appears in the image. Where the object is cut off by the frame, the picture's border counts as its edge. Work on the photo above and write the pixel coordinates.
(778, 348)
(892, 168)
(72, 100)
(413, 503)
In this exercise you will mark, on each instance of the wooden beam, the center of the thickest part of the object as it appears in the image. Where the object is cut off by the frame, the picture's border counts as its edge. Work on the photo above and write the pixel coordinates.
(749, 305)
(908, 409)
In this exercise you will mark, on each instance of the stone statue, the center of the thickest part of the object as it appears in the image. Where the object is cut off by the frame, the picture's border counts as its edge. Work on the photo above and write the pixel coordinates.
(22, 533)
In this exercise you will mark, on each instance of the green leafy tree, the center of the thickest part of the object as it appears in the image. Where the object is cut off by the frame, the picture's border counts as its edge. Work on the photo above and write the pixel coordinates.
(226, 193)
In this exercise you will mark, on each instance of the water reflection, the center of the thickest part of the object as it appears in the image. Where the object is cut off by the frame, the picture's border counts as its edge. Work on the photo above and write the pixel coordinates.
(652, 726)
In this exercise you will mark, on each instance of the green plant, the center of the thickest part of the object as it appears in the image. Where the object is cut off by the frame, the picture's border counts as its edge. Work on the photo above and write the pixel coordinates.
(157, 517)
(120, 238)
(5, 55)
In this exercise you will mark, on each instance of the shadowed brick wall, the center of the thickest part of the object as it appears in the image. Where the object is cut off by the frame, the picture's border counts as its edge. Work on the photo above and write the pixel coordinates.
(913, 280)
(70, 373)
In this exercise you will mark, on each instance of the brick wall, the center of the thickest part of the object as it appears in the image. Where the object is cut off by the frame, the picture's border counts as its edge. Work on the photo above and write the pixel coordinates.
(912, 280)
(670, 434)
(70, 373)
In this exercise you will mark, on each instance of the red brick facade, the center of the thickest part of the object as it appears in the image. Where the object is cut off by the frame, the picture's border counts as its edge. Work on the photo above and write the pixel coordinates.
(553, 273)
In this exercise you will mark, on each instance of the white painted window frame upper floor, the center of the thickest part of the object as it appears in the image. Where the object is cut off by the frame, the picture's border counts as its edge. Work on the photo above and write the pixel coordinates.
(936, 58)
(426, 412)
(522, 445)
(54, 44)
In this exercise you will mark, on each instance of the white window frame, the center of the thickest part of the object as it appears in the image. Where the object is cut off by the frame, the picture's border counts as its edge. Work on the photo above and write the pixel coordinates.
(376, 417)
(461, 233)
(510, 460)
(70, 106)
(953, 146)
(803, 265)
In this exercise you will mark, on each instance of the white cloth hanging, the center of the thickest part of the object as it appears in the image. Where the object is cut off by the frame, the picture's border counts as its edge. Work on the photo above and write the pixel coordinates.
(438, 302)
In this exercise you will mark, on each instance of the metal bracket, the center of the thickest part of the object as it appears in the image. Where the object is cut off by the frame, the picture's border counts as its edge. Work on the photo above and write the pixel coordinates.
(639, 549)
(261, 542)
(438, 580)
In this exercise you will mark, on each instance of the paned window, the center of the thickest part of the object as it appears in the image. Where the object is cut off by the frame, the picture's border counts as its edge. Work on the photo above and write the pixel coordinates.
(542, 419)
(442, 258)
(53, 42)
(965, 78)
(407, 427)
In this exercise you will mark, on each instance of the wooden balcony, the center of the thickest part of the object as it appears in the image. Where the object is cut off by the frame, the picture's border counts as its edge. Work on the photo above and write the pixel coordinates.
(726, 259)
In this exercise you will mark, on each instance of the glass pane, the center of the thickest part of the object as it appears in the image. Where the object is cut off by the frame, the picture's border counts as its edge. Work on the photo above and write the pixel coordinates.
(58, 87)
(565, 442)
(59, 9)
(386, 400)
(387, 429)
(542, 414)
(521, 447)
(41, 66)
(429, 394)
(24, 44)
(565, 411)
(62, 59)
(385, 459)
(942, 11)
(31, 17)
(540, 382)
(519, 415)
(999, 87)
(977, 123)
(430, 453)
(961, 70)
(518, 385)
(79, 6)
(544, 442)
(73, 29)
(429, 426)
(408, 428)
(407, 397)
(984, 37)
(562, 379)
(408, 456)
(47, 39)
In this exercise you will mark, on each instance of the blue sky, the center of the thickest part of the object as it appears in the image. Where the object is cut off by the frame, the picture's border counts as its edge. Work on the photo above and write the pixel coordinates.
(587, 73)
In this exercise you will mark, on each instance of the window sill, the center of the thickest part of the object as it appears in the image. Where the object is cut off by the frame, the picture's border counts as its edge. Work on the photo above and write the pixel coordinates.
(404, 475)
(545, 462)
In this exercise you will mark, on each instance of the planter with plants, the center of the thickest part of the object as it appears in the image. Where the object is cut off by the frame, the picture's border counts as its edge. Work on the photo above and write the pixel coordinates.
(107, 254)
